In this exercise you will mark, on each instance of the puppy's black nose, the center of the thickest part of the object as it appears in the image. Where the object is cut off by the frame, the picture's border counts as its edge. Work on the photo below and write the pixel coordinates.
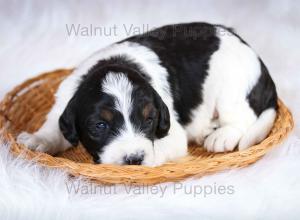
(134, 159)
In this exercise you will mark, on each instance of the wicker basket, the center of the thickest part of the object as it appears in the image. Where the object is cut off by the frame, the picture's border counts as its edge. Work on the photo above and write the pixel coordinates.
(25, 107)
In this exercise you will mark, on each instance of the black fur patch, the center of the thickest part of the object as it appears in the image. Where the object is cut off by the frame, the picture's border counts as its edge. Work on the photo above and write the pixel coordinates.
(263, 95)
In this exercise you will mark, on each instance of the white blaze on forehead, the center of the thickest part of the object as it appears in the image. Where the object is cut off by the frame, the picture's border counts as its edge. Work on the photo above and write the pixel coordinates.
(129, 141)
(118, 85)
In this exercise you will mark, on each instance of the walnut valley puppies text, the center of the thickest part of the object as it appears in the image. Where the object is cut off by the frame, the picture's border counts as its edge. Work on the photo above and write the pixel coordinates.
(160, 191)
(92, 30)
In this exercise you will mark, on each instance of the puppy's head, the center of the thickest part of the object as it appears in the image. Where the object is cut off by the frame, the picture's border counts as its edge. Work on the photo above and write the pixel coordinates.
(117, 118)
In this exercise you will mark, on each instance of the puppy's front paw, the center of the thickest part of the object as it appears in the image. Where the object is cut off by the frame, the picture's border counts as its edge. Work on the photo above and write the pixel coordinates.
(223, 139)
(33, 142)
(206, 131)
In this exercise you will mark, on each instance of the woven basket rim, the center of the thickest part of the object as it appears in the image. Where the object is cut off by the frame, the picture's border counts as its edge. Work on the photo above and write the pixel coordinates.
(115, 174)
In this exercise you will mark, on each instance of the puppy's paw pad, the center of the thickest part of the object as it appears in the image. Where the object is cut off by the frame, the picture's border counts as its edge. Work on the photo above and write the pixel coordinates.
(32, 141)
(223, 139)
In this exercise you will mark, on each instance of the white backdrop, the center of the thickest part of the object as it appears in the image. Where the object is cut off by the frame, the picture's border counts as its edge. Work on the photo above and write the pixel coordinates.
(34, 39)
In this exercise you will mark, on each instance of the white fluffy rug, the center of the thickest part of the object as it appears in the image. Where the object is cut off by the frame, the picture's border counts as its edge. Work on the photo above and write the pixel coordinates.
(34, 39)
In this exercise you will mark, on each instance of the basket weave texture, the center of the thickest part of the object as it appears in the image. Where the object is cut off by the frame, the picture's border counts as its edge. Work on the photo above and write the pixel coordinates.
(25, 108)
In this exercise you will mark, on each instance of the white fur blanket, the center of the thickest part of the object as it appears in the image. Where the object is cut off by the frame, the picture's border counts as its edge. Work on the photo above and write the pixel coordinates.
(34, 38)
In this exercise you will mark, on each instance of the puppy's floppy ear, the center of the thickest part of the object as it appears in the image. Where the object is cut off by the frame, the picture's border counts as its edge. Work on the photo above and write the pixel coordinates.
(163, 125)
(67, 124)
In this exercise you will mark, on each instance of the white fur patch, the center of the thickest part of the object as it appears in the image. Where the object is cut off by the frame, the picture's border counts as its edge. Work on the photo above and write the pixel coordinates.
(118, 85)
(259, 130)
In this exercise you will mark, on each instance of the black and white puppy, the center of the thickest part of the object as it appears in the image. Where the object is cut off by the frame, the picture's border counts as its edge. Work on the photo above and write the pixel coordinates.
(140, 101)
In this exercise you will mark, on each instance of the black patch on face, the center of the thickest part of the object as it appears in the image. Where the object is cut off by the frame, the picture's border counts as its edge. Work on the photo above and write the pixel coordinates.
(94, 120)
(95, 130)
(144, 122)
